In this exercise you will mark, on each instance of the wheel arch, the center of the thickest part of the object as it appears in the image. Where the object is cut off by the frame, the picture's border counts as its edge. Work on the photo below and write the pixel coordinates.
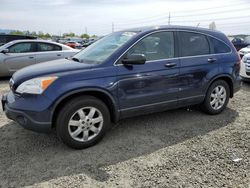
(227, 78)
(101, 94)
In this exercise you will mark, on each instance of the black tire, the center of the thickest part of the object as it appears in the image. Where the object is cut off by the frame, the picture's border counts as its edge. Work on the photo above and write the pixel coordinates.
(206, 106)
(69, 109)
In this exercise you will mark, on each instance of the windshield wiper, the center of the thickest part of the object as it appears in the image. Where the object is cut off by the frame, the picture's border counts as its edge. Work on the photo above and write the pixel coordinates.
(75, 59)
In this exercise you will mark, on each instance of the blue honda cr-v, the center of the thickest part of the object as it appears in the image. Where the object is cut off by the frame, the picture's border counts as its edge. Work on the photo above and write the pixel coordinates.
(124, 74)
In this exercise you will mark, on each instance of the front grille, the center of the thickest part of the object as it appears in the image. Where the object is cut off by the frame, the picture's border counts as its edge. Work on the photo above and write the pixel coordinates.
(247, 63)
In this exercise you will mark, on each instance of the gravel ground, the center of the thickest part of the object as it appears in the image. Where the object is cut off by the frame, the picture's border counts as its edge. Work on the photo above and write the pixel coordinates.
(178, 148)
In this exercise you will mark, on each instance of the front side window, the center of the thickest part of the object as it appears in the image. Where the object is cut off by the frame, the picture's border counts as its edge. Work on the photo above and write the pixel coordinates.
(193, 44)
(103, 48)
(24, 47)
(41, 47)
(155, 47)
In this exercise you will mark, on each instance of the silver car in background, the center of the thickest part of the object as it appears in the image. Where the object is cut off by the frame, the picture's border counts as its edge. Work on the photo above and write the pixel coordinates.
(21, 53)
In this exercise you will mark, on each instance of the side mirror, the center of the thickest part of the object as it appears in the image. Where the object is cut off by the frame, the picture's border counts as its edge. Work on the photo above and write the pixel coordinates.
(5, 51)
(134, 59)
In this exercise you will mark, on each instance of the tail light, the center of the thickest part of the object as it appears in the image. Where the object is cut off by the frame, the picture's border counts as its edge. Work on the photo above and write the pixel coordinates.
(239, 61)
(239, 58)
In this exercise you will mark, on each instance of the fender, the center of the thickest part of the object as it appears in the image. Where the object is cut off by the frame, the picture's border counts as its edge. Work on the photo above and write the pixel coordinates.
(116, 111)
(220, 76)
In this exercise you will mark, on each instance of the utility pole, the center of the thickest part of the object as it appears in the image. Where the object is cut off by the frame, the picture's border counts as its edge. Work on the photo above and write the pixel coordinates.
(113, 27)
(86, 30)
(169, 17)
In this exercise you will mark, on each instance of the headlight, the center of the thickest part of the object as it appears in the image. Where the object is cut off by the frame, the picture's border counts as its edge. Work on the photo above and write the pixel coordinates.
(36, 85)
(244, 59)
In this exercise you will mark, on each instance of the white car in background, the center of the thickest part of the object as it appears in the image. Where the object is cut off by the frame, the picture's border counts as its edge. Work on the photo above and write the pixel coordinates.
(21, 53)
(245, 67)
(244, 51)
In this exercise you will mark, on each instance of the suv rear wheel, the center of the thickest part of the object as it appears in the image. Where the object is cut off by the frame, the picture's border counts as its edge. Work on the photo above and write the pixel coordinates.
(82, 122)
(216, 98)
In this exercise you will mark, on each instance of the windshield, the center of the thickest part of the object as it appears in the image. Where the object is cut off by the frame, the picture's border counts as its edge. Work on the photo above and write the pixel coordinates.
(103, 48)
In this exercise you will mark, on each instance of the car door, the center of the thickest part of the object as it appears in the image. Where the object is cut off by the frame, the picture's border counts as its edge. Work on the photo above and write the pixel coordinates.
(20, 55)
(152, 86)
(48, 52)
(196, 65)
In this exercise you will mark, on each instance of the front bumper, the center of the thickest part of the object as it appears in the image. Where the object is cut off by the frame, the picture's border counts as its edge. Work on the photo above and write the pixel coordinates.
(244, 73)
(25, 118)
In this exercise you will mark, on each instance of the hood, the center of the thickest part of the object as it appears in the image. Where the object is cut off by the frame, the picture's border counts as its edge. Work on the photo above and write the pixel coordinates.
(47, 68)
(246, 56)
(245, 50)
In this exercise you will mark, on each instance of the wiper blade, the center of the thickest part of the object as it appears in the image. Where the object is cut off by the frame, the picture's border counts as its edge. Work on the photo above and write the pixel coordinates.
(75, 59)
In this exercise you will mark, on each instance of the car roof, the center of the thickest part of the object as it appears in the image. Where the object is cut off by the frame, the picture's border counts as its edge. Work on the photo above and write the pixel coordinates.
(36, 40)
(16, 35)
(174, 27)
(40, 40)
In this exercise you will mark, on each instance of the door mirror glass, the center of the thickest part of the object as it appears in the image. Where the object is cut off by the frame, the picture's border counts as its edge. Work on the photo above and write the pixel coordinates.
(134, 59)
(5, 51)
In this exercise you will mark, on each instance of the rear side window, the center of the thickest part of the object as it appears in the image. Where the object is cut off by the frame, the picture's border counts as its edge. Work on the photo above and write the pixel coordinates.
(219, 47)
(193, 44)
(42, 47)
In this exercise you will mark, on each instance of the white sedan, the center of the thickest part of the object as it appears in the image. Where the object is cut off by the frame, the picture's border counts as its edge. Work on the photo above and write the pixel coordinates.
(21, 53)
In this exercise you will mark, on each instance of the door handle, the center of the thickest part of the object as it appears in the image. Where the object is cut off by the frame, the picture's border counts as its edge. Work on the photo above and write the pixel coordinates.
(170, 65)
(211, 60)
(31, 57)
(59, 54)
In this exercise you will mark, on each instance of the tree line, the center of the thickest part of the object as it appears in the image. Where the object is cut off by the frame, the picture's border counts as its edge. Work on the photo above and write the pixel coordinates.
(40, 34)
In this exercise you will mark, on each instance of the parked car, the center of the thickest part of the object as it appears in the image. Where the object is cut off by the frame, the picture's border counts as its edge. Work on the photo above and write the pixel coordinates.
(245, 68)
(21, 53)
(89, 42)
(244, 51)
(5, 38)
(73, 44)
(240, 43)
(124, 74)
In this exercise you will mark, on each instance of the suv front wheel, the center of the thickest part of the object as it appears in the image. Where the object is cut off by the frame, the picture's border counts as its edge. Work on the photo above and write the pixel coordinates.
(216, 98)
(82, 122)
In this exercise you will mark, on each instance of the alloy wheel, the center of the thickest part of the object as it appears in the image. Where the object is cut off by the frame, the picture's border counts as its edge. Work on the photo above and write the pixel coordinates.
(85, 124)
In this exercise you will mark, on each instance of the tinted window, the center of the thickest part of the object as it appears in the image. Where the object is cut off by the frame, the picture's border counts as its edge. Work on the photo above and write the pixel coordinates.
(219, 47)
(156, 46)
(41, 47)
(21, 48)
(193, 44)
(2, 39)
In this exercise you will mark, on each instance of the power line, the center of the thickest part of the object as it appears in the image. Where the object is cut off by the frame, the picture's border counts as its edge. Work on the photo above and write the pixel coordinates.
(184, 16)
(211, 13)
(173, 12)
(213, 19)
(189, 21)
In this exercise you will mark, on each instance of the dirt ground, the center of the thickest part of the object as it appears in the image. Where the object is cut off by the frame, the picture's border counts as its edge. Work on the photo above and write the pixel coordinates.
(178, 148)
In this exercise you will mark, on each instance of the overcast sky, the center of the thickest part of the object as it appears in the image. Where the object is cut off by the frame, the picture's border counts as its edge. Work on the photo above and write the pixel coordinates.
(97, 16)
